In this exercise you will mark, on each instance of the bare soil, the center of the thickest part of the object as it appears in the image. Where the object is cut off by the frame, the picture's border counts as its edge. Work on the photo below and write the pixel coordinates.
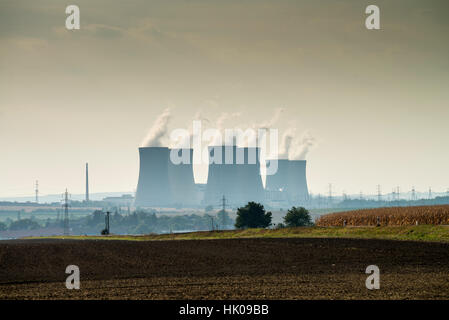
(224, 269)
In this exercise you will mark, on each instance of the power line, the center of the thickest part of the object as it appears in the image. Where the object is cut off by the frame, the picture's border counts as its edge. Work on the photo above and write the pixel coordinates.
(36, 190)
(106, 230)
(87, 182)
(223, 208)
(413, 193)
(379, 193)
(223, 203)
(66, 213)
(212, 223)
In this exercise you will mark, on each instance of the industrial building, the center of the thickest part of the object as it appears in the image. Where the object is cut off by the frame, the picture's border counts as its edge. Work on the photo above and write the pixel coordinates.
(288, 186)
(236, 177)
(234, 172)
(182, 182)
(153, 188)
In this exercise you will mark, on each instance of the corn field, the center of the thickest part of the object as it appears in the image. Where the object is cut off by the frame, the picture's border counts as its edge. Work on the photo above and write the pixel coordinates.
(391, 216)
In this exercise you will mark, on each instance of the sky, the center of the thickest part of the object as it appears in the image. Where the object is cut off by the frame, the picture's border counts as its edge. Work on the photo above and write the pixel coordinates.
(375, 101)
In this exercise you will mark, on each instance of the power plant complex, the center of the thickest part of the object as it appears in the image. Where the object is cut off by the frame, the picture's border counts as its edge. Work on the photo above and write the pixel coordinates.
(234, 173)
(289, 183)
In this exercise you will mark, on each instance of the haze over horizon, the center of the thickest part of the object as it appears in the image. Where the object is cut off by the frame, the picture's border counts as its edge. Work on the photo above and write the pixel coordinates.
(376, 102)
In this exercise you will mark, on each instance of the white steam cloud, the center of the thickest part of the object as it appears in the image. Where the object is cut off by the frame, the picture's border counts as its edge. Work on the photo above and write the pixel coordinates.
(188, 139)
(266, 125)
(302, 147)
(270, 123)
(158, 131)
(291, 146)
(219, 125)
(286, 142)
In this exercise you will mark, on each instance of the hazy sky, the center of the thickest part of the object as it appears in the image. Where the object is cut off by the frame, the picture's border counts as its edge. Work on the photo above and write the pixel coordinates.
(375, 101)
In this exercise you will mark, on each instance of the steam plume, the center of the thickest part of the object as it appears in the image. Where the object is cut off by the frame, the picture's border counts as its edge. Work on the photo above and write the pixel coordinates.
(302, 147)
(268, 124)
(225, 116)
(286, 143)
(158, 130)
(265, 125)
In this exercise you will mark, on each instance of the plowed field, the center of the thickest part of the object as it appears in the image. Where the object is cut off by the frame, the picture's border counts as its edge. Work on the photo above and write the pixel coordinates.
(224, 269)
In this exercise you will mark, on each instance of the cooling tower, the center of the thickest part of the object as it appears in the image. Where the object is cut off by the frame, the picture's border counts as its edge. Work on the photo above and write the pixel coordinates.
(277, 181)
(182, 183)
(298, 192)
(288, 184)
(220, 176)
(153, 188)
(237, 179)
(250, 185)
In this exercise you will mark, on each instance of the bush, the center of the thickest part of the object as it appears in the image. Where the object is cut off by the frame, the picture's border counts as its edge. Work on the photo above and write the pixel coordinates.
(298, 217)
(252, 215)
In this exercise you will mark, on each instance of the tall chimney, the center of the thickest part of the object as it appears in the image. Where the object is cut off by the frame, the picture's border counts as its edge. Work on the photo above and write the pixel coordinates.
(87, 182)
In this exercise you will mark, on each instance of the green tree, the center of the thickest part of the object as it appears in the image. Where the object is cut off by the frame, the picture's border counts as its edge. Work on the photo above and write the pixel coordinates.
(298, 217)
(3, 226)
(252, 215)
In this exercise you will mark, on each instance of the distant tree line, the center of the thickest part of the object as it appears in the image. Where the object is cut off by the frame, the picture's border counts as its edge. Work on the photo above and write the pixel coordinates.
(148, 221)
(252, 215)
(24, 224)
(136, 222)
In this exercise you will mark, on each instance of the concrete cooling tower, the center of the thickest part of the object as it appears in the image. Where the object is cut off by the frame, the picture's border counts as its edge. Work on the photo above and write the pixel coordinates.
(238, 182)
(278, 180)
(182, 183)
(153, 187)
(297, 182)
(250, 181)
(289, 183)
